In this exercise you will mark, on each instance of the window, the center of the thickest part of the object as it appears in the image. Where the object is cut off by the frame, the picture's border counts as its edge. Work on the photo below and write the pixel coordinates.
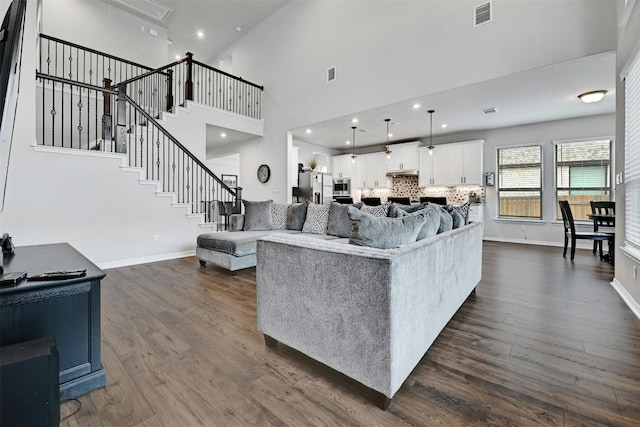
(632, 154)
(520, 182)
(583, 173)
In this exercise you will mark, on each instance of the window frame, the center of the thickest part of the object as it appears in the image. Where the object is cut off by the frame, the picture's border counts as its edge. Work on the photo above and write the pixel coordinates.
(540, 146)
(610, 188)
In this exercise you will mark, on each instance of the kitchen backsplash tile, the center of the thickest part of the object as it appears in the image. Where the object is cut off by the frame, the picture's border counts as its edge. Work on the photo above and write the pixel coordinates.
(407, 186)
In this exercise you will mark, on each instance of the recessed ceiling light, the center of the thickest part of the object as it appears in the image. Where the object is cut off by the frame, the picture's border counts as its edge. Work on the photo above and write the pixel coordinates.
(416, 106)
(347, 142)
(238, 29)
(593, 96)
(224, 135)
(200, 34)
(444, 125)
(177, 56)
(390, 134)
(308, 130)
(354, 120)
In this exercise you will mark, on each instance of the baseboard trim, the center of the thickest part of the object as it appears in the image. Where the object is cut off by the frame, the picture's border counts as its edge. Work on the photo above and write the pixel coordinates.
(523, 241)
(145, 260)
(626, 297)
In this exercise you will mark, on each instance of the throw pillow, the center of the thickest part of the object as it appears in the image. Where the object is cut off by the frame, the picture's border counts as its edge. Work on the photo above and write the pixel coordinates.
(339, 222)
(446, 222)
(257, 215)
(279, 216)
(379, 211)
(432, 223)
(383, 232)
(317, 219)
(464, 210)
(406, 208)
(456, 216)
(296, 214)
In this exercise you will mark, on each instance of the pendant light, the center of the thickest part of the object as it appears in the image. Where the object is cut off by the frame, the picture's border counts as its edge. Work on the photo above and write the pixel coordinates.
(387, 147)
(353, 145)
(431, 131)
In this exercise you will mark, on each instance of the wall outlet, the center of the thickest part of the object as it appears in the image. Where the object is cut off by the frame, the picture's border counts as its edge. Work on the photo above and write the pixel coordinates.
(156, 238)
(275, 189)
(523, 228)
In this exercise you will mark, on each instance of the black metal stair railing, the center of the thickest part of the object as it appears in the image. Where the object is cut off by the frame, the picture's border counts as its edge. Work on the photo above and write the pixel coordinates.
(84, 116)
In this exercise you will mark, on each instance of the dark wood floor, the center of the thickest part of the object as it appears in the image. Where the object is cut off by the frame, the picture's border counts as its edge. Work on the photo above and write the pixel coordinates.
(543, 341)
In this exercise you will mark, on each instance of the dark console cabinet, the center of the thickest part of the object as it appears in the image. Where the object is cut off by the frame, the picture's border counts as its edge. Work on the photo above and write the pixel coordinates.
(67, 310)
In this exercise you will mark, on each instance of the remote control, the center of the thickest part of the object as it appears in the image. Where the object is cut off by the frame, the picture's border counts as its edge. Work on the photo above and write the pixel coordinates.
(58, 275)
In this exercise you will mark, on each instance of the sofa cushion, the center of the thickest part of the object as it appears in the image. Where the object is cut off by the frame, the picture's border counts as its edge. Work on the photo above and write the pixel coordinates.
(317, 219)
(379, 211)
(339, 222)
(257, 215)
(296, 214)
(446, 222)
(383, 232)
(463, 209)
(432, 222)
(234, 243)
(279, 216)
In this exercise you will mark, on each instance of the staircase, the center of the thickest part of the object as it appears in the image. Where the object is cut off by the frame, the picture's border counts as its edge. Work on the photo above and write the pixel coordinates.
(96, 103)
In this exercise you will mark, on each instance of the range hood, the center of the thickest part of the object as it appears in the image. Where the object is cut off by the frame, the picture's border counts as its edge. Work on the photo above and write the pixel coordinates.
(403, 172)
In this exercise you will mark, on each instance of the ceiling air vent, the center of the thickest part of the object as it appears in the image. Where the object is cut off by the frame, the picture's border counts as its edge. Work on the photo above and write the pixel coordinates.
(331, 74)
(363, 130)
(482, 14)
(490, 110)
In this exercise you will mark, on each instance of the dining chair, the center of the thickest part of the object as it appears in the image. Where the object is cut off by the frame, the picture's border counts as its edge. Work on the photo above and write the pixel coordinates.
(437, 200)
(400, 200)
(602, 208)
(371, 201)
(571, 233)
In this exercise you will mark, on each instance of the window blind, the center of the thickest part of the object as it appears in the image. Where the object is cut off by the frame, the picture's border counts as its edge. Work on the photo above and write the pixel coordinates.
(632, 154)
(520, 182)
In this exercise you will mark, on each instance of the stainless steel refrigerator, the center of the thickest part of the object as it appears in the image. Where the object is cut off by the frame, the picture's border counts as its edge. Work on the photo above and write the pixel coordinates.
(316, 187)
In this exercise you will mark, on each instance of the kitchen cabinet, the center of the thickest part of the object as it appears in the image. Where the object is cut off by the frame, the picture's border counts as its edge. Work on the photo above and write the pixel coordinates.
(403, 157)
(343, 167)
(476, 213)
(372, 171)
(452, 164)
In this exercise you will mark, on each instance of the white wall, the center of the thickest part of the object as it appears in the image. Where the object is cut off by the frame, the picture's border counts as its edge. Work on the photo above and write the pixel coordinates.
(307, 151)
(106, 28)
(388, 51)
(549, 231)
(227, 165)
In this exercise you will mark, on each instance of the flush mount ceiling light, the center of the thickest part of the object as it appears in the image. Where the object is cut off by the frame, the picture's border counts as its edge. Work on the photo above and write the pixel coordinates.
(353, 146)
(431, 131)
(387, 147)
(593, 96)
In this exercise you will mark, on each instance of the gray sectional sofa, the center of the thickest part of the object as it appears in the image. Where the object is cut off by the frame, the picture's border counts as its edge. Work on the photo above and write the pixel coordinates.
(368, 313)
(364, 291)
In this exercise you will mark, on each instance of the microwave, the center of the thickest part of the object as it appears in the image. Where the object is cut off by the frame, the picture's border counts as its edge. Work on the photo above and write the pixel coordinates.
(341, 187)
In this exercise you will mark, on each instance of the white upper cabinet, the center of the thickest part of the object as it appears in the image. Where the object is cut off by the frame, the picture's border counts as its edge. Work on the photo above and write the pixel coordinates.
(452, 164)
(372, 171)
(343, 167)
(403, 157)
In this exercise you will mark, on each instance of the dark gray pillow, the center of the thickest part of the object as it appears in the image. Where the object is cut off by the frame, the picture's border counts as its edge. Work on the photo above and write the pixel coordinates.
(339, 222)
(432, 223)
(383, 232)
(257, 215)
(407, 208)
(296, 215)
(458, 220)
(446, 222)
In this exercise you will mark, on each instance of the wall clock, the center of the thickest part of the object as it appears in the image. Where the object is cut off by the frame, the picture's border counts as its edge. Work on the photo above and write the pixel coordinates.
(264, 173)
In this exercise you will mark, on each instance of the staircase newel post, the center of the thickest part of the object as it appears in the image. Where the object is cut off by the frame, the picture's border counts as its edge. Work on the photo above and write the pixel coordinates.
(107, 124)
(121, 141)
(238, 207)
(188, 85)
(170, 90)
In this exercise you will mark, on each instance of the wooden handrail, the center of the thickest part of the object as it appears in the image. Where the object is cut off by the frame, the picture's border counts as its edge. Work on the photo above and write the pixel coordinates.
(228, 75)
